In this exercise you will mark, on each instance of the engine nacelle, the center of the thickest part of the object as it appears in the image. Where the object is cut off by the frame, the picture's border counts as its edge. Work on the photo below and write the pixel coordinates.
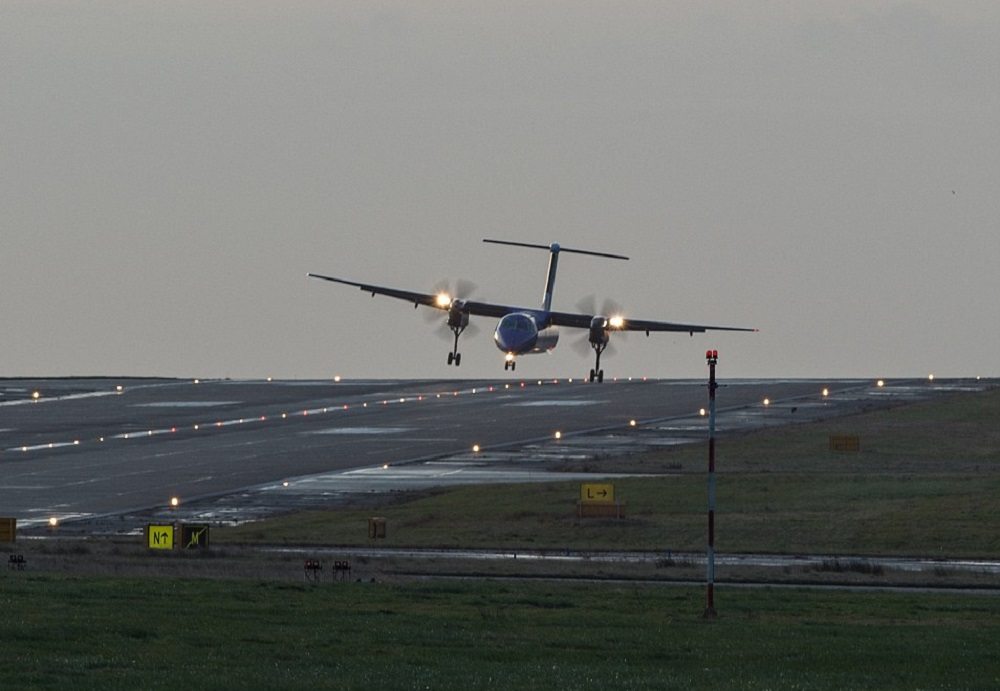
(599, 330)
(458, 317)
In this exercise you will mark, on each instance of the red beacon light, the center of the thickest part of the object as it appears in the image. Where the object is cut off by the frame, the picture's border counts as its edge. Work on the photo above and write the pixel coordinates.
(712, 355)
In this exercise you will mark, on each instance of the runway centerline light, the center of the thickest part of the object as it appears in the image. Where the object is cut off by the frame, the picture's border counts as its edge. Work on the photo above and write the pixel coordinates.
(53, 521)
(475, 448)
(930, 377)
(174, 502)
(767, 401)
(880, 383)
(826, 392)
(35, 395)
(558, 435)
(631, 423)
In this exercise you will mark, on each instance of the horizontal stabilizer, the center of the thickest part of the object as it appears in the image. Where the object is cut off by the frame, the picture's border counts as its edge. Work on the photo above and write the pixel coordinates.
(555, 247)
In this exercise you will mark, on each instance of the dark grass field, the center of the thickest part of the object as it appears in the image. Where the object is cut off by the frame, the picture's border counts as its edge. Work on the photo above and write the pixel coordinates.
(62, 632)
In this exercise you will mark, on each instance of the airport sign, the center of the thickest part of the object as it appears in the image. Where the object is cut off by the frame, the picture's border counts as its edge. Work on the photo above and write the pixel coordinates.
(597, 493)
(160, 536)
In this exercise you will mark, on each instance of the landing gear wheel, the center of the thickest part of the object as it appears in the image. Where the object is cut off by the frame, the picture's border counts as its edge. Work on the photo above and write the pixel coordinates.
(458, 359)
(593, 376)
(451, 358)
(600, 377)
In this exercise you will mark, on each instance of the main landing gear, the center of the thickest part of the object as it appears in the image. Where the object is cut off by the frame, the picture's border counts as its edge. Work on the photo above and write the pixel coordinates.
(510, 365)
(454, 356)
(597, 374)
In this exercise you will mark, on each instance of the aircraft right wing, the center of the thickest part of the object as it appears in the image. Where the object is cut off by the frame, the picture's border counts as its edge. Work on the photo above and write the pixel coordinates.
(582, 321)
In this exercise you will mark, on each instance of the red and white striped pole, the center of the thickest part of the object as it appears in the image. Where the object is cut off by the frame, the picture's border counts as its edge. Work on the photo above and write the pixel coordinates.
(712, 356)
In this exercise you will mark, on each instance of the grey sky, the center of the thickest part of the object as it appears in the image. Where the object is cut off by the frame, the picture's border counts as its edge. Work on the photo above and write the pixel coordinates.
(827, 172)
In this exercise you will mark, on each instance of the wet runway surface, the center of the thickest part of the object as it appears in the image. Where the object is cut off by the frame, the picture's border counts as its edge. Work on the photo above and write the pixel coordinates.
(118, 450)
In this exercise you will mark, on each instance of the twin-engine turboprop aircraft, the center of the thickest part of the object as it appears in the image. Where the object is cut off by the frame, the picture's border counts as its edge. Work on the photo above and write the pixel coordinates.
(521, 330)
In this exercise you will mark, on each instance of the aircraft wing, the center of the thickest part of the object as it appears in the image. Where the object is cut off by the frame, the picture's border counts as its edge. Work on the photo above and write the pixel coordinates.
(483, 309)
(582, 321)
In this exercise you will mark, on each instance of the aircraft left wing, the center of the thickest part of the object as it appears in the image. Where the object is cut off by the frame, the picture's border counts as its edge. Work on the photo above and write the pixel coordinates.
(582, 321)
(482, 309)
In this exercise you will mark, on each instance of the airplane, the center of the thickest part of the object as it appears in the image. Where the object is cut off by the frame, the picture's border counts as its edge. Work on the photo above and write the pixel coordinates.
(524, 331)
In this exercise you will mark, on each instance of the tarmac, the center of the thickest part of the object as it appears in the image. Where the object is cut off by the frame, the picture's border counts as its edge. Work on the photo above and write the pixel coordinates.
(108, 455)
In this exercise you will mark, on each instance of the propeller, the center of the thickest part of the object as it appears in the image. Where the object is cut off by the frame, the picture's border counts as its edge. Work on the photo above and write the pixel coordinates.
(588, 305)
(609, 308)
(461, 288)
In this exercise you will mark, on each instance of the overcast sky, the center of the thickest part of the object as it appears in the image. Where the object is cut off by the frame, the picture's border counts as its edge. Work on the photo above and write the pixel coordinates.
(828, 172)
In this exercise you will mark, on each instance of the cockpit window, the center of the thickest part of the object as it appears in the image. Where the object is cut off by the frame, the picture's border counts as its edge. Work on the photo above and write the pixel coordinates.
(519, 323)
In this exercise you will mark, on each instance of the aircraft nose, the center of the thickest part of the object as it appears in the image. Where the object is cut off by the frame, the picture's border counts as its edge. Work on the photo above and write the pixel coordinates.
(515, 334)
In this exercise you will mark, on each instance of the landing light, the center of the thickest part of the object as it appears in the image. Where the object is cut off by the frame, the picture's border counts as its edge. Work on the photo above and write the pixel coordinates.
(53, 521)
(701, 412)
(285, 483)
(35, 395)
(119, 388)
(475, 448)
(174, 502)
(443, 299)
(558, 435)
(509, 357)
(631, 423)
(336, 379)
(930, 377)
(617, 321)
(880, 383)
(826, 392)
(767, 401)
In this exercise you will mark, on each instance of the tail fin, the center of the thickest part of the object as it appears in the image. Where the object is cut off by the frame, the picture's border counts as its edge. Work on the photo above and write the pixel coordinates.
(554, 250)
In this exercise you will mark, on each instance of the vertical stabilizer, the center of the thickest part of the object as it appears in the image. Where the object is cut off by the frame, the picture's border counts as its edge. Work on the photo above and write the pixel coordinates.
(554, 250)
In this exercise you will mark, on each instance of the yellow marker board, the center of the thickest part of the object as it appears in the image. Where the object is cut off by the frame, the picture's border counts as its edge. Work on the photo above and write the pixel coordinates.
(160, 536)
(8, 529)
(597, 493)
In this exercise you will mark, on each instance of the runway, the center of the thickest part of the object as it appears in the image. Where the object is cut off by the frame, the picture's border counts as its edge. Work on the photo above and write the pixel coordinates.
(79, 449)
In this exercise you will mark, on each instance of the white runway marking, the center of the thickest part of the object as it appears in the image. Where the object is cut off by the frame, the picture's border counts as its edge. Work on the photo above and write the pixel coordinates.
(362, 430)
(184, 404)
(554, 403)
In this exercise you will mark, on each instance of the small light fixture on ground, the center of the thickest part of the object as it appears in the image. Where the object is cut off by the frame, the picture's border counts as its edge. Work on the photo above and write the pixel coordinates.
(53, 522)
(558, 435)
(174, 502)
(631, 423)
(880, 383)
(475, 448)
(826, 392)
